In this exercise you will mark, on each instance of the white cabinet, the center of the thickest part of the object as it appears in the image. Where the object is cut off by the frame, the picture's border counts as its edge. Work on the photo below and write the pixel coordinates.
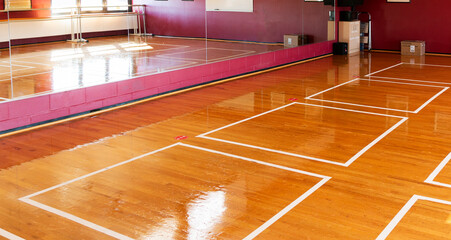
(349, 32)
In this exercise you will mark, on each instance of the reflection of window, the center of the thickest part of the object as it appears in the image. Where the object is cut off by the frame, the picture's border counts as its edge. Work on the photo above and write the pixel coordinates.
(17, 4)
(398, 102)
(63, 6)
(115, 5)
(65, 77)
(94, 71)
(442, 123)
(94, 5)
(120, 65)
(90, 5)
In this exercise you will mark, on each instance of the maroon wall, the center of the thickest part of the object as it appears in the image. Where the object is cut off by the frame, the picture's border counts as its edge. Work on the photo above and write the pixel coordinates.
(270, 20)
(427, 20)
(268, 23)
(315, 18)
(175, 17)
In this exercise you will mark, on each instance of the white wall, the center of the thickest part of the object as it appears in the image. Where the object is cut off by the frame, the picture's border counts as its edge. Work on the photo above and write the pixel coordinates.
(24, 29)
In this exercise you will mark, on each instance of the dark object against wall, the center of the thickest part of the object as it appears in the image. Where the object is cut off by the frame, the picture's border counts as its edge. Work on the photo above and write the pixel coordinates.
(346, 16)
(349, 3)
(340, 48)
(344, 3)
(329, 2)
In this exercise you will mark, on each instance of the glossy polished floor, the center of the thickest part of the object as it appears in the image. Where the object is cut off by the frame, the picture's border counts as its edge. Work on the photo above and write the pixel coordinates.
(54, 67)
(338, 148)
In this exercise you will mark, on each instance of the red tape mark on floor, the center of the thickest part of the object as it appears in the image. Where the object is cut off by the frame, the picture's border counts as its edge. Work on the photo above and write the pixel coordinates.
(293, 99)
(179, 138)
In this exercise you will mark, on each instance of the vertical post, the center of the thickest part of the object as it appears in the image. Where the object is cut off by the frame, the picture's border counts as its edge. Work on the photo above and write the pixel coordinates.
(79, 26)
(138, 23)
(76, 24)
(10, 54)
(128, 23)
(72, 27)
(144, 20)
(370, 35)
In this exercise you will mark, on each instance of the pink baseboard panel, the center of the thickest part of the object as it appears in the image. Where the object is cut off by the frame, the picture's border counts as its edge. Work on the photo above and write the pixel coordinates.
(24, 112)
(4, 112)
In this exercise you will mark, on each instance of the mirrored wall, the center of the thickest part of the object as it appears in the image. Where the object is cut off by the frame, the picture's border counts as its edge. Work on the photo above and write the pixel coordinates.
(266, 25)
(56, 45)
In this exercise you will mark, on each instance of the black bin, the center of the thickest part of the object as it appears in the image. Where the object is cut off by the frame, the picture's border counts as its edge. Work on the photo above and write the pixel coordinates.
(346, 16)
(340, 48)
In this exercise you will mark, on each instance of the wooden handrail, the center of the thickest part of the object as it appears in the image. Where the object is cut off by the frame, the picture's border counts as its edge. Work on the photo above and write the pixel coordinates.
(70, 8)
(85, 15)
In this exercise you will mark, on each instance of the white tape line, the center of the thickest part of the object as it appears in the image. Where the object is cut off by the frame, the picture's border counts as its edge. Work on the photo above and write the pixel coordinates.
(361, 105)
(424, 64)
(410, 80)
(348, 163)
(77, 220)
(98, 171)
(244, 120)
(437, 170)
(399, 64)
(382, 108)
(256, 161)
(275, 151)
(285, 210)
(331, 88)
(430, 100)
(9, 235)
(394, 222)
(288, 208)
(413, 84)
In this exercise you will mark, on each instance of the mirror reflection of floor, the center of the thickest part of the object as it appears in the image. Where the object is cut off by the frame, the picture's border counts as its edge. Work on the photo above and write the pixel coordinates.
(53, 67)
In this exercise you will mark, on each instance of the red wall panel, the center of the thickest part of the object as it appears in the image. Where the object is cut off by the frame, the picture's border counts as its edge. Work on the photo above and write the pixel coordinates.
(427, 20)
(175, 18)
(268, 23)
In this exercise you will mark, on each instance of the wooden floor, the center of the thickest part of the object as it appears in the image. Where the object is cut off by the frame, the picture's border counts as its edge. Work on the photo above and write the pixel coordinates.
(53, 67)
(339, 148)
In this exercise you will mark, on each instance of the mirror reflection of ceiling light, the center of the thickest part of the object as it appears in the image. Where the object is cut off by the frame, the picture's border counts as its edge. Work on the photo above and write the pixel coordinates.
(59, 55)
(103, 50)
(131, 46)
(65, 77)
